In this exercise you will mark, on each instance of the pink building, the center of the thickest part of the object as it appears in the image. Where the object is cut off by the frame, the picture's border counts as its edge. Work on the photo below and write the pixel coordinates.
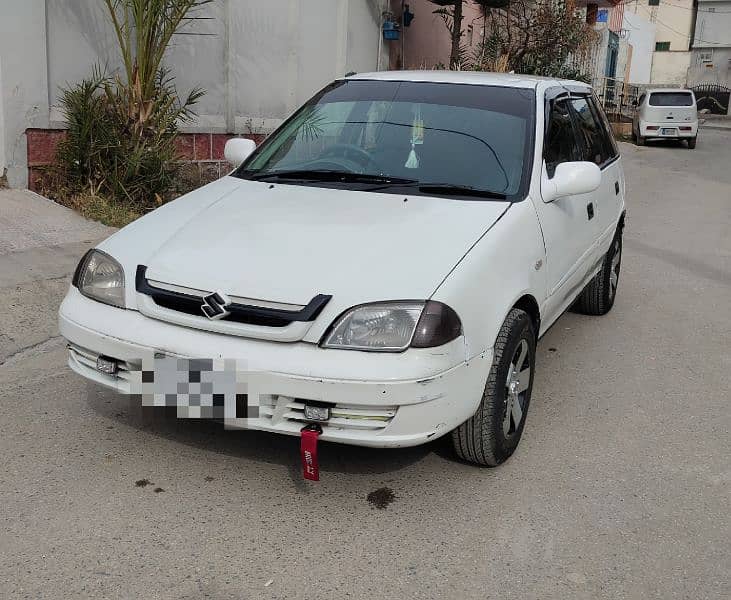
(426, 43)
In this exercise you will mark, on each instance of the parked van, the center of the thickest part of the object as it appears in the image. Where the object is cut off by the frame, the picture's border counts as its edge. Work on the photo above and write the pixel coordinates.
(666, 113)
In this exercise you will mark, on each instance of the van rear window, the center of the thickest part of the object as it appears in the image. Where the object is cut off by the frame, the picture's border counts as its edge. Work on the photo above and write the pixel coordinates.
(671, 99)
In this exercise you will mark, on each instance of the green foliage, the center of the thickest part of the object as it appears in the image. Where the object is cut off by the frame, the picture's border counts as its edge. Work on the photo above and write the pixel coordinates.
(122, 131)
(544, 37)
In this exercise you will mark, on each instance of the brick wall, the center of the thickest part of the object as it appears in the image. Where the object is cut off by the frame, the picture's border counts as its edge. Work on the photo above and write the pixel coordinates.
(201, 153)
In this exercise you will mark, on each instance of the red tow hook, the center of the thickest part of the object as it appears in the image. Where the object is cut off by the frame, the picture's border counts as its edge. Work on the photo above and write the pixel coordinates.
(308, 451)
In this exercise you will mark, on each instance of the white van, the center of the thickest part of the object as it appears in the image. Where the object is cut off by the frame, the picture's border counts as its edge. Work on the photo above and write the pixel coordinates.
(666, 113)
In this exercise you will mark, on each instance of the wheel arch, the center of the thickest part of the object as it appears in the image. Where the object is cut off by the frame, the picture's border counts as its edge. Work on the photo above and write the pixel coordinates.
(529, 304)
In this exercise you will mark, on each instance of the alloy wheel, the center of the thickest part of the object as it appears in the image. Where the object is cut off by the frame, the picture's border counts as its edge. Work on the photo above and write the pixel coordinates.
(516, 386)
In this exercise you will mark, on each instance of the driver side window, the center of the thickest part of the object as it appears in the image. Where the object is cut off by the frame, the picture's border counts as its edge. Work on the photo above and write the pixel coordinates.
(560, 144)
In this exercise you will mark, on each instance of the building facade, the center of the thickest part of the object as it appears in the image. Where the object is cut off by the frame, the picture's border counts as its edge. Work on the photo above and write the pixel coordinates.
(673, 21)
(711, 55)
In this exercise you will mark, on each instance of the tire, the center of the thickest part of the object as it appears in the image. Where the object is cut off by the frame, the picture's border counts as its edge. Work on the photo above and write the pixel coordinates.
(597, 298)
(640, 140)
(491, 435)
(691, 143)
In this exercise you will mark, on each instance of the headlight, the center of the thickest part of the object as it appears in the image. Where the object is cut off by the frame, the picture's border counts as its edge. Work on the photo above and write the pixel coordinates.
(100, 278)
(394, 326)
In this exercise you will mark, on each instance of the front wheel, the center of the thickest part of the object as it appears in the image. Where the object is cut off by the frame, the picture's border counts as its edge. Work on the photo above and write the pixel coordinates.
(492, 434)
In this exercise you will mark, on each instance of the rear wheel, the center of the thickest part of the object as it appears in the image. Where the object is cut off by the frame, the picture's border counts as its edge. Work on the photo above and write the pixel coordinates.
(492, 434)
(598, 296)
(640, 140)
(691, 142)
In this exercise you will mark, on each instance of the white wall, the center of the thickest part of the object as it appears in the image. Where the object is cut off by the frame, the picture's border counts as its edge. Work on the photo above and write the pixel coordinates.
(641, 36)
(670, 68)
(713, 29)
(673, 20)
(24, 80)
(257, 59)
(3, 163)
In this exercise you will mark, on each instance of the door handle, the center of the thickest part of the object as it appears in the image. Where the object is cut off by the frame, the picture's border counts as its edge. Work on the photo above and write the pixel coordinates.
(616, 188)
(590, 210)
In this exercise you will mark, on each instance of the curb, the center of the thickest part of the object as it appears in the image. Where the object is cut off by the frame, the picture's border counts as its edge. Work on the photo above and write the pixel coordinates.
(716, 127)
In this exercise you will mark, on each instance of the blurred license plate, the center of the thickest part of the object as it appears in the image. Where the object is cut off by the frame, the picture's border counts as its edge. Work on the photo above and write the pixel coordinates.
(668, 131)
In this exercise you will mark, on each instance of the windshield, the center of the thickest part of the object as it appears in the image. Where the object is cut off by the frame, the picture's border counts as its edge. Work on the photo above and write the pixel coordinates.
(671, 99)
(431, 138)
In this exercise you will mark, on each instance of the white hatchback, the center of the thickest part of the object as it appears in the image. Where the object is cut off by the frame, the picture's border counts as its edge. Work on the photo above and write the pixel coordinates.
(379, 269)
(666, 114)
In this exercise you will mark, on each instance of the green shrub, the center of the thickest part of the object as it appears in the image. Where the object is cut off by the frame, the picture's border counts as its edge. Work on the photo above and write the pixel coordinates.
(122, 130)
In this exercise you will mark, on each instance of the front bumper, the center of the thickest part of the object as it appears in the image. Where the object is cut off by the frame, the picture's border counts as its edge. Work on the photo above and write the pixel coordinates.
(668, 130)
(381, 399)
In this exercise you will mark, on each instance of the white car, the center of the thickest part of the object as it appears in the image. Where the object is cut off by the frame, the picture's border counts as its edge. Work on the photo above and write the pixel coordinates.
(382, 265)
(666, 113)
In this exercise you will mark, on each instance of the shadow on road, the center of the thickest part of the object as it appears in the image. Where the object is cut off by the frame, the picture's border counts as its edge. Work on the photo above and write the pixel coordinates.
(258, 446)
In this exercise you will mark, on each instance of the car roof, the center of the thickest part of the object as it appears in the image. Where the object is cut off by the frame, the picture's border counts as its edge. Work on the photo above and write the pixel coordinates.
(651, 90)
(468, 77)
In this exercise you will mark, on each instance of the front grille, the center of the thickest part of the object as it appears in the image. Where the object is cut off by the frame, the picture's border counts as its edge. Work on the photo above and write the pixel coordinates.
(192, 304)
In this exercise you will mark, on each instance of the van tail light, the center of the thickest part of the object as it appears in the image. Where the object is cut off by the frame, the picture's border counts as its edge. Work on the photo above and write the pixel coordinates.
(652, 128)
(686, 129)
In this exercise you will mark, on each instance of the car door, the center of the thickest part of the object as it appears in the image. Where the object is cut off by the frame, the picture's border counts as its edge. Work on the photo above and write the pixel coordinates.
(599, 147)
(567, 224)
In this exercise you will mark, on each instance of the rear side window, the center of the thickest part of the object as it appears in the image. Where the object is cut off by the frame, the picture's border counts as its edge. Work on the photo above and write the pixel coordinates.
(671, 99)
(591, 132)
(560, 144)
(608, 136)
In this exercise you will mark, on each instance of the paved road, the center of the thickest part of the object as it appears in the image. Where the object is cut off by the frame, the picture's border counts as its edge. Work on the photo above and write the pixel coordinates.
(620, 488)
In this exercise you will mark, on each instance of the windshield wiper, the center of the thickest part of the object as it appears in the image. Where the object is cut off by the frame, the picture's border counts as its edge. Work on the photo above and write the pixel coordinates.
(327, 175)
(460, 190)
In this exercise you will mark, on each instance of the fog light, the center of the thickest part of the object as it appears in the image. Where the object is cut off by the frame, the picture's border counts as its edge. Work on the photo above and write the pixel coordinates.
(106, 365)
(317, 413)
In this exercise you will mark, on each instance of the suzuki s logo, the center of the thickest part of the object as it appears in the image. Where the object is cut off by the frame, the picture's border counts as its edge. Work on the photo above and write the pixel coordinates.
(215, 306)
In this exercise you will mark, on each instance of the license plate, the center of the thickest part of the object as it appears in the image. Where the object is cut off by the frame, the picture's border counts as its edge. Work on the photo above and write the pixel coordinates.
(668, 131)
(199, 388)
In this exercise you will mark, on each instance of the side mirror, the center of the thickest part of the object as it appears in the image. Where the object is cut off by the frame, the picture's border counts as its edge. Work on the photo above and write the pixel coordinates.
(570, 179)
(237, 150)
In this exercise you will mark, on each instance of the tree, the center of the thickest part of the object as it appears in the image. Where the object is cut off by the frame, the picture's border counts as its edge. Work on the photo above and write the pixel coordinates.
(548, 37)
(452, 13)
(542, 37)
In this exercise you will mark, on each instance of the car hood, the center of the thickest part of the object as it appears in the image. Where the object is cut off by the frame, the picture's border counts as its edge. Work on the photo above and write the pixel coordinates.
(286, 244)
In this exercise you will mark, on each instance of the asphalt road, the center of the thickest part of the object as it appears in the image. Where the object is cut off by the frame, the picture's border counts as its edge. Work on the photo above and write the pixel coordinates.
(620, 488)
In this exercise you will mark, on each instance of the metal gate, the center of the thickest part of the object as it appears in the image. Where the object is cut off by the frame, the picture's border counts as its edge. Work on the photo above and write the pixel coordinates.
(713, 97)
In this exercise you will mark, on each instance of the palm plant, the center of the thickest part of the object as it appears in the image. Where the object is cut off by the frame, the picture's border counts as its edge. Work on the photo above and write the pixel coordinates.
(122, 129)
(144, 29)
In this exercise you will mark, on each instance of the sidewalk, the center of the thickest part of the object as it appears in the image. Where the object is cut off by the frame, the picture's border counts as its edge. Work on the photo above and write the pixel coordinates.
(28, 220)
(719, 122)
(41, 243)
